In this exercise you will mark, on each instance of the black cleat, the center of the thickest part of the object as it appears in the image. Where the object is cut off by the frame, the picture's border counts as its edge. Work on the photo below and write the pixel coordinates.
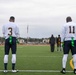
(63, 71)
(74, 71)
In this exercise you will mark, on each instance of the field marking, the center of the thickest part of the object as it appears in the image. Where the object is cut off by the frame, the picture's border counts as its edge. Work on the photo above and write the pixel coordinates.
(40, 56)
(55, 71)
(41, 71)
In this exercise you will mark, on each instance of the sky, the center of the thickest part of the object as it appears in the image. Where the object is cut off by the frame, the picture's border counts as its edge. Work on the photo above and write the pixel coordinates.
(43, 17)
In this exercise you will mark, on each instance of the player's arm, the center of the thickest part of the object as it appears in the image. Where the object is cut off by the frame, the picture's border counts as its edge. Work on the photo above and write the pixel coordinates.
(3, 31)
(63, 36)
(17, 32)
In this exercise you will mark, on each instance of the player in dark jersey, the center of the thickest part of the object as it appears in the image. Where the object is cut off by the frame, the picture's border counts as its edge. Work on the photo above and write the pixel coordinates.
(52, 43)
(58, 43)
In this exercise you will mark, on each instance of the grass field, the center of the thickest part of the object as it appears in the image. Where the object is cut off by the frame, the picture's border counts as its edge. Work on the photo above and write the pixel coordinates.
(36, 60)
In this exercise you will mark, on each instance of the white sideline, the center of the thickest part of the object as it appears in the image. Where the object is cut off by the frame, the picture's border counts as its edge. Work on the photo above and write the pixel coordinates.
(39, 56)
(42, 56)
(37, 71)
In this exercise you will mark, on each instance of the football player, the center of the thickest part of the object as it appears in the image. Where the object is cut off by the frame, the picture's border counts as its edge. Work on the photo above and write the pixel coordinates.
(58, 43)
(69, 39)
(10, 33)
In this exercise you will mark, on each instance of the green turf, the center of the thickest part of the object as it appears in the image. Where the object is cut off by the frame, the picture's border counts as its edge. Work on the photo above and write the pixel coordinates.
(36, 58)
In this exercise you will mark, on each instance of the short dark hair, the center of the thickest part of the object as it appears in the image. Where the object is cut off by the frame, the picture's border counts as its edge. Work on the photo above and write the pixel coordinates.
(68, 19)
(58, 35)
(12, 18)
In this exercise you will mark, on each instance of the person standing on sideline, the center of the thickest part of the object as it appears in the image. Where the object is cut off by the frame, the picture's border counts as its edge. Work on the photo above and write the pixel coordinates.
(58, 43)
(52, 43)
(69, 42)
(11, 33)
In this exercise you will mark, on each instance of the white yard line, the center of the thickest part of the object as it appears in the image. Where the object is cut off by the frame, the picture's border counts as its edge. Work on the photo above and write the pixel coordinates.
(37, 71)
(41, 56)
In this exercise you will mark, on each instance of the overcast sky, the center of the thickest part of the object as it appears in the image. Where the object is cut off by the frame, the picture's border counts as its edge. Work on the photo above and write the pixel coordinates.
(44, 17)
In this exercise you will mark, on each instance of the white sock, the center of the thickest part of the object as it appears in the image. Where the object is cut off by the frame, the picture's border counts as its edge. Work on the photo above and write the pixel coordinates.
(13, 58)
(74, 60)
(64, 60)
(6, 59)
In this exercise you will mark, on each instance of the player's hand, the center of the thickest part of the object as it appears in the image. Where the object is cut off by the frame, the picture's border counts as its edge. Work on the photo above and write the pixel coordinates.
(17, 41)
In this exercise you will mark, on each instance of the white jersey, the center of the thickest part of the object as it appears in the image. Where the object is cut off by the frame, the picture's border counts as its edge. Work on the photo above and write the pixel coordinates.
(68, 31)
(10, 29)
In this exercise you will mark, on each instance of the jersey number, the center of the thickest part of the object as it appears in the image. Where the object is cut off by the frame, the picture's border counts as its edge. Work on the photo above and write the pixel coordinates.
(72, 29)
(10, 31)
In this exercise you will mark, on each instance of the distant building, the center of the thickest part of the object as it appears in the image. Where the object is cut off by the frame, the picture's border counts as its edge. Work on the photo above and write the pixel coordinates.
(45, 40)
(21, 41)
